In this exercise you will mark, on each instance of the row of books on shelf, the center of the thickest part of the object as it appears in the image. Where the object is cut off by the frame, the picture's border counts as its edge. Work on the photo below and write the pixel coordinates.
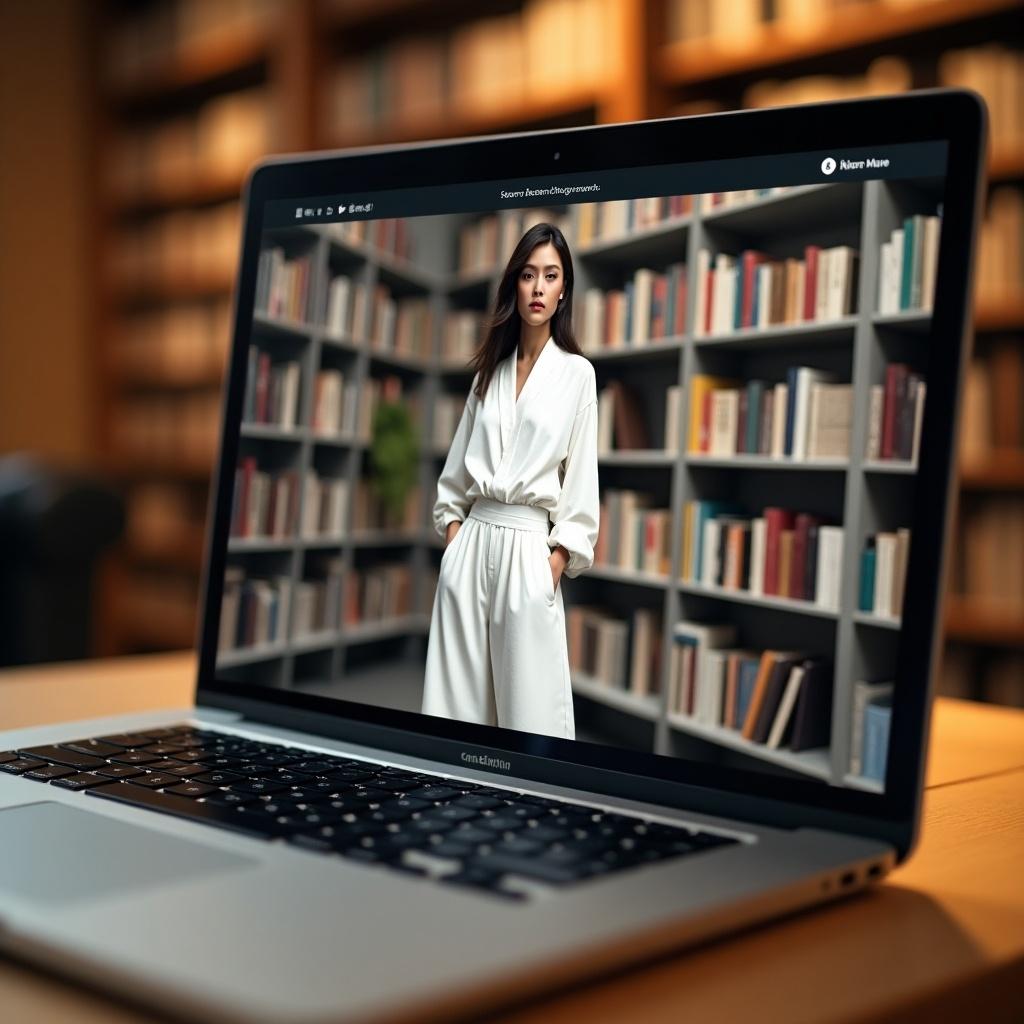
(780, 553)
(711, 201)
(283, 285)
(345, 407)
(808, 416)
(993, 70)
(254, 612)
(388, 235)
(990, 568)
(883, 76)
(622, 425)
(616, 653)
(218, 142)
(1000, 273)
(484, 244)
(155, 36)
(772, 698)
(178, 343)
(895, 414)
(266, 505)
(996, 72)
(179, 429)
(883, 573)
(257, 611)
(487, 64)
(755, 290)
(271, 391)
(177, 248)
(993, 416)
(599, 222)
(631, 535)
(403, 325)
(463, 331)
(649, 307)
(906, 266)
(717, 685)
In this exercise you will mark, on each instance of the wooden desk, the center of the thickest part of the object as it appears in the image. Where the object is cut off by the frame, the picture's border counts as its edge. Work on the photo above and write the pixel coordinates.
(941, 940)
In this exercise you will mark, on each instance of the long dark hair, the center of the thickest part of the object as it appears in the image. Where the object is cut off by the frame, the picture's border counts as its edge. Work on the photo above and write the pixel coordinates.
(503, 328)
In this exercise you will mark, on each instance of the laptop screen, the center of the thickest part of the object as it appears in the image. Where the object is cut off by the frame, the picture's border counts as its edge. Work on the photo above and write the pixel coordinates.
(625, 458)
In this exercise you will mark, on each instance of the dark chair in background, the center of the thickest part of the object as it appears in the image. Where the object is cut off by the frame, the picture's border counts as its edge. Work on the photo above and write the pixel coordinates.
(54, 526)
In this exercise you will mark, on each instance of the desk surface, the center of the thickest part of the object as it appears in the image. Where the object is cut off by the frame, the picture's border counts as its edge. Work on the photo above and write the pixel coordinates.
(941, 939)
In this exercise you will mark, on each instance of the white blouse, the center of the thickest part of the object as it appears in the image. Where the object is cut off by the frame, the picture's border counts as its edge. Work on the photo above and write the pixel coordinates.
(538, 450)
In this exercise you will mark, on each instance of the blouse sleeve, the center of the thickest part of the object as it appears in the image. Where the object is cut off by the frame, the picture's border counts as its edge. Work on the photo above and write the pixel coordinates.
(577, 512)
(452, 503)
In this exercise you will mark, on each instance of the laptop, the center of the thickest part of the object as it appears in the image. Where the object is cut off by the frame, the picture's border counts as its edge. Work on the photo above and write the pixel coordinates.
(573, 573)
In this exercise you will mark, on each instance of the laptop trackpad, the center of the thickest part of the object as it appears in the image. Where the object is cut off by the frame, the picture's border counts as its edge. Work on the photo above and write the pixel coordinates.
(52, 853)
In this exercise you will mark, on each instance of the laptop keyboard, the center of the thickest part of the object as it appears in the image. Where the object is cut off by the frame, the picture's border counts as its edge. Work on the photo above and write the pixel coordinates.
(457, 832)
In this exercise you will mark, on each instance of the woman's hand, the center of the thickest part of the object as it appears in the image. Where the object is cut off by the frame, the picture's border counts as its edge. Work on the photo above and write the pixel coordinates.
(558, 560)
(450, 531)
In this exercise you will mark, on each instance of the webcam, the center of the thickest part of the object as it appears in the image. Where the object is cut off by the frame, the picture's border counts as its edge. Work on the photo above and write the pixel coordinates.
(557, 154)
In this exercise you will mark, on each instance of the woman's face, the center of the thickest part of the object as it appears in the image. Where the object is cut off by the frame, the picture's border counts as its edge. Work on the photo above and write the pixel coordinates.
(540, 285)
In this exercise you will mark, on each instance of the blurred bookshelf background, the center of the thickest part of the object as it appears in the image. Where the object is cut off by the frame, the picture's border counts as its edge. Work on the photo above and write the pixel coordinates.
(128, 128)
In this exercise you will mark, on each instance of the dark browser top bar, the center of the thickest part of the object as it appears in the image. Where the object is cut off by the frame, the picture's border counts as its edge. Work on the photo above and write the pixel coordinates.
(905, 160)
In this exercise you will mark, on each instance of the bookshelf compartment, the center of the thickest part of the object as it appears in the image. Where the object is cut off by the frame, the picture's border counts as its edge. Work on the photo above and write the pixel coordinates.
(764, 217)
(808, 763)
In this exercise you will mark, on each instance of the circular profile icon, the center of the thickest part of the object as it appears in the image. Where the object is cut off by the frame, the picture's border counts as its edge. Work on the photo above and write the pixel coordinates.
(828, 165)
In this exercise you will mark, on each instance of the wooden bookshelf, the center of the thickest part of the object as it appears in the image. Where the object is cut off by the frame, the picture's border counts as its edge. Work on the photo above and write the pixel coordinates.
(294, 57)
(977, 622)
(773, 46)
(194, 67)
(1002, 470)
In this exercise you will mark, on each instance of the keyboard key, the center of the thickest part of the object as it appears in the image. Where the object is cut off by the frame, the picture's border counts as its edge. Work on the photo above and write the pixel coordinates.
(48, 772)
(162, 749)
(133, 757)
(182, 807)
(470, 833)
(221, 762)
(543, 833)
(435, 793)
(7, 756)
(57, 755)
(20, 765)
(451, 848)
(257, 787)
(95, 747)
(154, 780)
(119, 771)
(124, 739)
(84, 780)
(449, 812)
(501, 823)
(165, 765)
(518, 845)
(313, 767)
(188, 771)
(192, 789)
(225, 798)
(214, 778)
(191, 755)
(477, 803)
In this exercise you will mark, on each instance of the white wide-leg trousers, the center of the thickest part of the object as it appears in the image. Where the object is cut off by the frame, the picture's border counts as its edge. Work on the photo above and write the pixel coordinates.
(497, 651)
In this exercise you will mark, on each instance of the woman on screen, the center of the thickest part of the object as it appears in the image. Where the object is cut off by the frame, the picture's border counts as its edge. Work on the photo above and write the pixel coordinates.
(517, 503)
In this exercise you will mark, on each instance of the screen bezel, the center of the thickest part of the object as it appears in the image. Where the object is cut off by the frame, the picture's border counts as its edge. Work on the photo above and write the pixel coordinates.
(954, 116)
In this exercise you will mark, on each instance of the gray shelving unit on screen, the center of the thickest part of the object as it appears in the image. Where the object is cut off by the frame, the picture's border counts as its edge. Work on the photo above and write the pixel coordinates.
(864, 497)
